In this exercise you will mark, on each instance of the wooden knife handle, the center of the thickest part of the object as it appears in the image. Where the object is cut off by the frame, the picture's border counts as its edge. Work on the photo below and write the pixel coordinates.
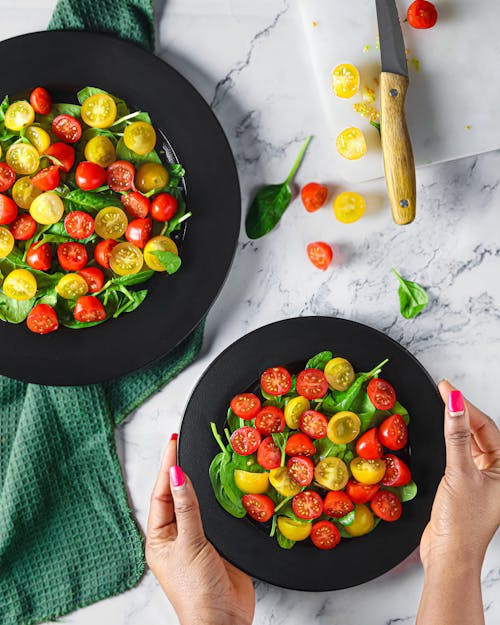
(396, 147)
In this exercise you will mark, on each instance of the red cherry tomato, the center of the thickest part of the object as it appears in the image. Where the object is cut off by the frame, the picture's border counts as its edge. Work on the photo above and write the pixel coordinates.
(276, 381)
(397, 472)
(386, 505)
(245, 441)
(360, 493)
(23, 227)
(89, 176)
(381, 394)
(39, 257)
(8, 210)
(301, 470)
(245, 405)
(120, 176)
(64, 154)
(47, 179)
(103, 250)
(337, 504)
(312, 384)
(136, 204)
(325, 535)
(94, 277)
(42, 319)
(41, 101)
(320, 254)
(139, 231)
(79, 224)
(67, 128)
(89, 309)
(299, 445)
(269, 454)
(422, 14)
(393, 432)
(313, 423)
(163, 207)
(307, 505)
(313, 196)
(72, 256)
(7, 177)
(259, 507)
(270, 420)
(368, 445)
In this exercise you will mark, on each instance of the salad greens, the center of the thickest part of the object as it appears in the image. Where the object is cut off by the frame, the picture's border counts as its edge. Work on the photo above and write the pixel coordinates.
(412, 297)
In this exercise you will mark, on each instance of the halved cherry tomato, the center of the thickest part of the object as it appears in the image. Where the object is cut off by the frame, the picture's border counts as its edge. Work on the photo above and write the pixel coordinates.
(320, 254)
(293, 411)
(103, 251)
(397, 472)
(245, 441)
(299, 445)
(140, 137)
(307, 505)
(89, 176)
(313, 196)
(100, 150)
(47, 208)
(41, 101)
(120, 176)
(270, 420)
(151, 176)
(351, 143)
(312, 384)
(42, 319)
(7, 242)
(282, 481)
(24, 192)
(345, 80)
(387, 506)
(7, 177)
(99, 110)
(313, 423)
(269, 454)
(126, 259)
(301, 469)
(331, 473)
(259, 507)
(136, 204)
(39, 256)
(38, 137)
(361, 493)
(294, 530)
(245, 405)
(67, 128)
(72, 286)
(20, 285)
(8, 210)
(276, 381)
(23, 227)
(250, 482)
(23, 158)
(367, 471)
(381, 394)
(422, 14)
(89, 309)
(325, 535)
(79, 224)
(72, 256)
(343, 427)
(139, 232)
(47, 179)
(158, 244)
(363, 521)
(393, 432)
(163, 207)
(368, 446)
(339, 374)
(19, 115)
(94, 278)
(337, 504)
(111, 223)
(64, 154)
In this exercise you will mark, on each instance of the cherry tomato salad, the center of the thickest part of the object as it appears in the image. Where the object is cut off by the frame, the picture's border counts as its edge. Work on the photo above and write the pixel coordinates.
(87, 209)
(322, 454)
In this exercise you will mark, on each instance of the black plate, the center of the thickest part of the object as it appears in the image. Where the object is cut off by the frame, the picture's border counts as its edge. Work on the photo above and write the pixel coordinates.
(304, 567)
(65, 62)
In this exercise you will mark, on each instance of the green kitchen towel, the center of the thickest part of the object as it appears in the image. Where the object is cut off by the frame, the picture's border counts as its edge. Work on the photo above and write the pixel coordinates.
(67, 535)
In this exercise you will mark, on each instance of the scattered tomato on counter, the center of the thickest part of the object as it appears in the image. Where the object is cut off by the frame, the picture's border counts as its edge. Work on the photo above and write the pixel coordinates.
(320, 254)
(351, 143)
(345, 80)
(313, 196)
(349, 207)
(422, 14)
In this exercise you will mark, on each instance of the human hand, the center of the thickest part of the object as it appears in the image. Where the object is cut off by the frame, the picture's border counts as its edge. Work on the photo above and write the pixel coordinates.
(203, 588)
(466, 510)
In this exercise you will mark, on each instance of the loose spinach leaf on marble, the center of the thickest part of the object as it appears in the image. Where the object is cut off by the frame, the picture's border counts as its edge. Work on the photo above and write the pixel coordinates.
(412, 297)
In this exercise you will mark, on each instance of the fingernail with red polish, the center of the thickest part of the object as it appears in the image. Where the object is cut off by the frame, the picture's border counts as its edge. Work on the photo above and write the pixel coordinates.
(177, 478)
(456, 404)
(174, 436)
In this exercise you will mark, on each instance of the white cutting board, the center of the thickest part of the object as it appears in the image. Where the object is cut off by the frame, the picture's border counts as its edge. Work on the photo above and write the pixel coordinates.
(453, 103)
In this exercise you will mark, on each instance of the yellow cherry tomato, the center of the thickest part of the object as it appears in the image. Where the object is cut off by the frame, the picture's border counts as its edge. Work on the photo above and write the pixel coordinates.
(294, 530)
(47, 208)
(349, 207)
(252, 483)
(24, 192)
(343, 427)
(367, 471)
(19, 115)
(363, 521)
(351, 144)
(158, 244)
(126, 259)
(99, 111)
(140, 137)
(6, 242)
(111, 222)
(294, 409)
(331, 473)
(281, 480)
(23, 158)
(20, 285)
(38, 137)
(72, 286)
(100, 150)
(345, 80)
(339, 374)
(151, 176)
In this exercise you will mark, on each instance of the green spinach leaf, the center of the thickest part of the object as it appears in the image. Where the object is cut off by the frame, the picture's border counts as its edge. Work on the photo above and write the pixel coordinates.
(404, 493)
(169, 260)
(283, 542)
(123, 153)
(319, 361)
(412, 297)
(325, 448)
(93, 200)
(14, 311)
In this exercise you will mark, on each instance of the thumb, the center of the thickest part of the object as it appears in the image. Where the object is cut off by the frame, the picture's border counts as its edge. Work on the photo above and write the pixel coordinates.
(457, 433)
(186, 506)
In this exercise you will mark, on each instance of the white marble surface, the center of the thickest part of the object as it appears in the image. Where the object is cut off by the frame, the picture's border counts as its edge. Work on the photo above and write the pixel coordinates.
(249, 61)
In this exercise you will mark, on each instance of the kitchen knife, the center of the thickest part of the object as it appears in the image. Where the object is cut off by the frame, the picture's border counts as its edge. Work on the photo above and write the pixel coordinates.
(396, 144)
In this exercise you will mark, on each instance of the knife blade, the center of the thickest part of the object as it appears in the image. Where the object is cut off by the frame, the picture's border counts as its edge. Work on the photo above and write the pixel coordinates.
(399, 164)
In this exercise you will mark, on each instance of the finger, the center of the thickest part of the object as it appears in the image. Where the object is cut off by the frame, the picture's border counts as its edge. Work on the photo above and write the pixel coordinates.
(457, 433)
(187, 509)
(161, 511)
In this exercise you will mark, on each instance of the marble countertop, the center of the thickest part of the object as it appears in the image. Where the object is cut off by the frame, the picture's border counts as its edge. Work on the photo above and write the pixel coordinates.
(250, 63)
